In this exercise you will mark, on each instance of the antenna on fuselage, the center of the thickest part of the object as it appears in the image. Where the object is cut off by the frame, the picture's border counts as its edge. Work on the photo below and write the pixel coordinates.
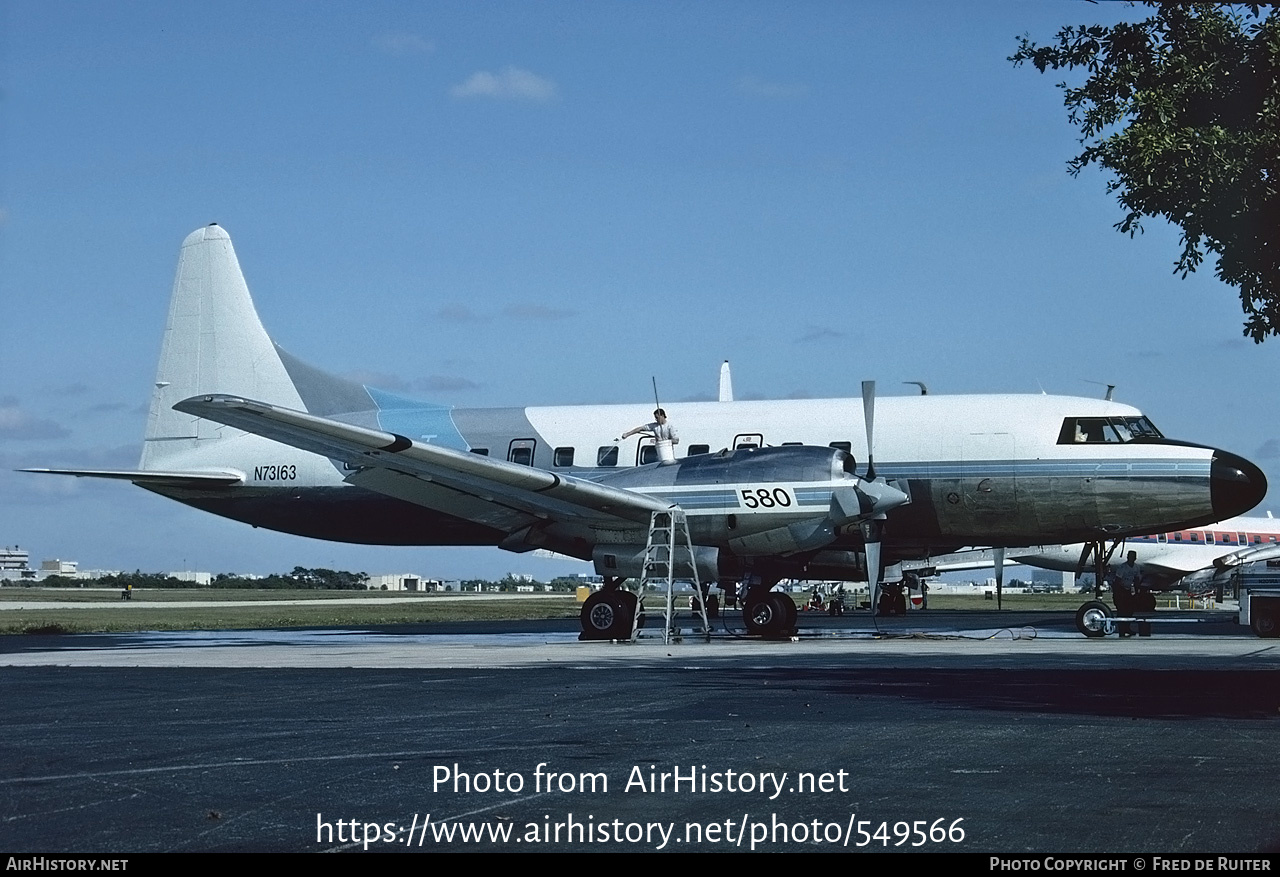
(1110, 387)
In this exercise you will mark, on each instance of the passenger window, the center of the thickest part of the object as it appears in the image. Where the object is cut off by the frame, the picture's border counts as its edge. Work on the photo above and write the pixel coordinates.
(847, 447)
(607, 456)
(483, 452)
(563, 457)
(648, 454)
(696, 450)
(792, 444)
(521, 451)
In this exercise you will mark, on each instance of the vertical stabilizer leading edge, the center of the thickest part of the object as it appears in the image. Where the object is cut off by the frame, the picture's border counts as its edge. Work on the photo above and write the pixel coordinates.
(213, 343)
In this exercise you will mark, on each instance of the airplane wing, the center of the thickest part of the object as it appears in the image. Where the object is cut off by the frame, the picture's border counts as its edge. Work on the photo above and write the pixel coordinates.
(1176, 562)
(507, 496)
(219, 478)
(1248, 554)
(959, 561)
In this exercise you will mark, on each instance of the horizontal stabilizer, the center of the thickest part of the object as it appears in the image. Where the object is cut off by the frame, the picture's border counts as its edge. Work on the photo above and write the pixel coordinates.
(171, 479)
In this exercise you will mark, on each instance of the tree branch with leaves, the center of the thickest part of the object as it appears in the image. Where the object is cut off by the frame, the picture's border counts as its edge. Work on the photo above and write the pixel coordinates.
(1184, 109)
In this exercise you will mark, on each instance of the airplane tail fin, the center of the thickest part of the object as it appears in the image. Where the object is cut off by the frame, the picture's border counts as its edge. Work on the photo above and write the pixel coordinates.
(213, 342)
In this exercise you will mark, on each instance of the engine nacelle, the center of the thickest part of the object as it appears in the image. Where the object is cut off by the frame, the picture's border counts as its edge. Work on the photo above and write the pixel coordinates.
(627, 561)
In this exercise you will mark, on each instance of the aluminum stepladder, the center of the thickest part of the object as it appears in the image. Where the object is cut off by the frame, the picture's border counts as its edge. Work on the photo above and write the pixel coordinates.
(666, 554)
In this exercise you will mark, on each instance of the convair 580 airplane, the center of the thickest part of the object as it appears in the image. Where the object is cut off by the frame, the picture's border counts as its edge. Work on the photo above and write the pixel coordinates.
(240, 428)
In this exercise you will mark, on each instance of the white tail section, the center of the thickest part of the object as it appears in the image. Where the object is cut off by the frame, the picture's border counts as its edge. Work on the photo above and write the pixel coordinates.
(213, 343)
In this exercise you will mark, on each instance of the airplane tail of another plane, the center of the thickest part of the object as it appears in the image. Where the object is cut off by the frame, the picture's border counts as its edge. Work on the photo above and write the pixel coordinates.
(213, 342)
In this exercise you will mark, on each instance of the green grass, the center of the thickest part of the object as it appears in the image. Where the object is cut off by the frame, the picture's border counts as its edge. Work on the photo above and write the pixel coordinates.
(266, 613)
(116, 616)
(186, 595)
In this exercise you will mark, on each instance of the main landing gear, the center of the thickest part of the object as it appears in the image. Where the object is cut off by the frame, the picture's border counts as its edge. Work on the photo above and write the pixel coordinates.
(768, 613)
(609, 613)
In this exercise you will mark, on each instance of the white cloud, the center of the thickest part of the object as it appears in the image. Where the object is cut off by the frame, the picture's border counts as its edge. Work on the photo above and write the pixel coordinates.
(509, 83)
(18, 424)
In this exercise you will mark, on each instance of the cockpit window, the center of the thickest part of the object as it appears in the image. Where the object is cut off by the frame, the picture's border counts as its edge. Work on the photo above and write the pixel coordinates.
(1106, 430)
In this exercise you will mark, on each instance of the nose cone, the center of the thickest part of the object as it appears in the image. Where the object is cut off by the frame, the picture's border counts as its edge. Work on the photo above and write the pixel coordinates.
(1235, 485)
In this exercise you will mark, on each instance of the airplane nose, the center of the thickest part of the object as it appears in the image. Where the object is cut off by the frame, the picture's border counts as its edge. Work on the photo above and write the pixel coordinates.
(1235, 485)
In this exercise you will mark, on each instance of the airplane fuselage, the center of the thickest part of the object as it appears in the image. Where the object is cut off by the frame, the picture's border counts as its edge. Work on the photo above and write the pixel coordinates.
(989, 469)
(1173, 557)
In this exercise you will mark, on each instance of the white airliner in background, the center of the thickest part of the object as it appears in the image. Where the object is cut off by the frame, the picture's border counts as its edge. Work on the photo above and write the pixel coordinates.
(1186, 558)
(771, 489)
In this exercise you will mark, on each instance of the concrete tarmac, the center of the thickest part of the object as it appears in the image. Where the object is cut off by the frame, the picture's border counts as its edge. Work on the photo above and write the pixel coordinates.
(946, 731)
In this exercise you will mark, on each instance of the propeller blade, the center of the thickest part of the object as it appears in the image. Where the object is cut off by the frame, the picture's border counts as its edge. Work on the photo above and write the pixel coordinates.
(872, 531)
(869, 414)
(999, 558)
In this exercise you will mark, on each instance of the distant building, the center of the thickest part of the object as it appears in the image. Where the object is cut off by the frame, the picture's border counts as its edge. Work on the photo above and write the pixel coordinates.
(14, 558)
(204, 579)
(402, 582)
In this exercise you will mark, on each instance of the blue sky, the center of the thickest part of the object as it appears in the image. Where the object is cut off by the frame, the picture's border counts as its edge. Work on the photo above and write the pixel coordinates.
(513, 203)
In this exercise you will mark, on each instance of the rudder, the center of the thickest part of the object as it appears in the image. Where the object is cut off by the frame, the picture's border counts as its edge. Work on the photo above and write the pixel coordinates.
(213, 343)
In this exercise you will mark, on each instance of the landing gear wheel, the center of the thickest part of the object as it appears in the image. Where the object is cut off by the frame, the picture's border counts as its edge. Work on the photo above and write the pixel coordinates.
(713, 606)
(892, 601)
(1093, 619)
(631, 603)
(1263, 624)
(790, 614)
(607, 615)
(767, 615)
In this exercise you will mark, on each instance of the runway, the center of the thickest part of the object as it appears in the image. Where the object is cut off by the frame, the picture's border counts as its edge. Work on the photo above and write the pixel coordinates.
(1033, 738)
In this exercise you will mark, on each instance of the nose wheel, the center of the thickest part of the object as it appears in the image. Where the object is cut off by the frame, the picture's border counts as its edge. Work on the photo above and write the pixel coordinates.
(1094, 619)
